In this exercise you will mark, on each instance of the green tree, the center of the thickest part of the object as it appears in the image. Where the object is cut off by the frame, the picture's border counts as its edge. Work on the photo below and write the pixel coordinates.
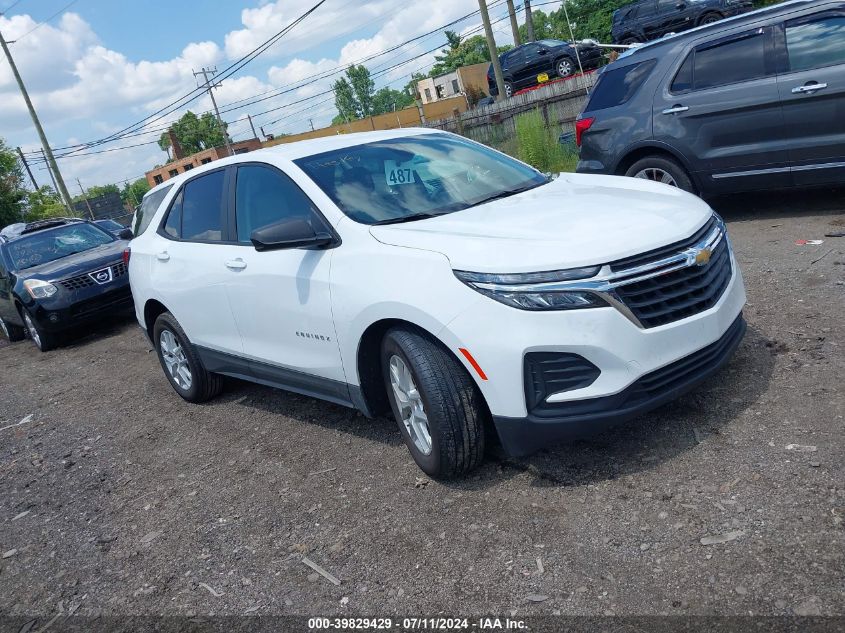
(44, 203)
(387, 99)
(458, 53)
(344, 101)
(12, 192)
(133, 192)
(195, 133)
(363, 86)
(96, 191)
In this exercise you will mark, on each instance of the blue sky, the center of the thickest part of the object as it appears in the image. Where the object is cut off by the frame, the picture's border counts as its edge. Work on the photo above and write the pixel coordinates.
(105, 64)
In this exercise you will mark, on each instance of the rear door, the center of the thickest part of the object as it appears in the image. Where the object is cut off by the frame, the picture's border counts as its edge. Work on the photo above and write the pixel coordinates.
(189, 267)
(721, 109)
(650, 20)
(812, 91)
(514, 68)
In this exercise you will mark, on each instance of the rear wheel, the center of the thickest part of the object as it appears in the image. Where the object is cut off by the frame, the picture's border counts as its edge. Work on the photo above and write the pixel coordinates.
(11, 331)
(438, 407)
(630, 40)
(508, 89)
(45, 341)
(181, 365)
(661, 169)
(710, 18)
(564, 67)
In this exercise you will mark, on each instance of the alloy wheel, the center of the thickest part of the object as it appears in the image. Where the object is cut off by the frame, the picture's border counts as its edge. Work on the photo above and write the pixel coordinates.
(410, 405)
(657, 175)
(175, 360)
(30, 326)
(508, 90)
(564, 68)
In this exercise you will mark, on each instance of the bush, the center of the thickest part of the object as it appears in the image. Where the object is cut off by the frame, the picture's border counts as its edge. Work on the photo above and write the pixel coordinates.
(537, 144)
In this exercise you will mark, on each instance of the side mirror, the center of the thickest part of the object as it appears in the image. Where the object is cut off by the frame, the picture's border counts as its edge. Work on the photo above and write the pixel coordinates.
(125, 234)
(289, 233)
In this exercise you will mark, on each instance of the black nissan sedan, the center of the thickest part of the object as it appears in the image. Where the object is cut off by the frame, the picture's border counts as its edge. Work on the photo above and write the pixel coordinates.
(58, 274)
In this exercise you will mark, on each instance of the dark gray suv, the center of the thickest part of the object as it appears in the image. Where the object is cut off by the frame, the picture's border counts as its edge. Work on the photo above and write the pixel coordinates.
(752, 102)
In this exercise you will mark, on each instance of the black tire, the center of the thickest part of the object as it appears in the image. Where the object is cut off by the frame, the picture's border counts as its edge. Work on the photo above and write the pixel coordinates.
(204, 385)
(668, 165)
(630, 40)
(452, 403)
(45, 341)
(12, 332)
(710, 18)
(562, 72)
(508, 90)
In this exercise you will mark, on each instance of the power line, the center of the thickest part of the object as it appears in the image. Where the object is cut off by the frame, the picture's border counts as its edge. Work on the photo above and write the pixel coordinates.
(43, 22)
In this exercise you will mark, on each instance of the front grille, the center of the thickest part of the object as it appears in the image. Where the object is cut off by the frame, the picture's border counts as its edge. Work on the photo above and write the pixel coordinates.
(84, 281)
(552, 372)
(681, 293)
(664, 251)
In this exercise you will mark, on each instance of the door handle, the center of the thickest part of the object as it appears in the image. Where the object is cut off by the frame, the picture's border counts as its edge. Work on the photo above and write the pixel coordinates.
(236, 264)
(675, 109)
(163, 256)
(808, 88)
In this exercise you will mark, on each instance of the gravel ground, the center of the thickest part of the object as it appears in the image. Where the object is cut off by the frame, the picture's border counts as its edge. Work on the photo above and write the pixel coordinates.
(119, 498)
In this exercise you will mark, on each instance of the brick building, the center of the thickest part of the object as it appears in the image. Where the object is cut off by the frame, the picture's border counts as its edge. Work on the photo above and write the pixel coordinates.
(180, 163)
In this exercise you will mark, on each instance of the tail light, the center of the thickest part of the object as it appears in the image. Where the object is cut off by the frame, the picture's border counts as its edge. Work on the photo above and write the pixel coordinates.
(126, 254)
(581, 126)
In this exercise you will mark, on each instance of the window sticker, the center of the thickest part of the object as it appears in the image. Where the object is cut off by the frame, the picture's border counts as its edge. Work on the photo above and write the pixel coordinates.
(398, 173)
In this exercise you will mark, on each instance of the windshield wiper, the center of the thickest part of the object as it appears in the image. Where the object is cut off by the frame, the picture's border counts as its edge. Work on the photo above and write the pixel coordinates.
(406, 218)
(507, 193)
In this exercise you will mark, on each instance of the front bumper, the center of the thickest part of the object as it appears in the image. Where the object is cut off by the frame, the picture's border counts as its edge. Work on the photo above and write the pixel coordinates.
(579, 418)
(70, 309)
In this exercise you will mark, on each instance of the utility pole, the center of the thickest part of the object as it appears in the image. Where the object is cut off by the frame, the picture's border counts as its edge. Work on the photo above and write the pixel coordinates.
(514, 23)
(204, 72)
(28, 170)
(491, 45)
(529, 21)
(132, 191)
(85, 197)
(254, 133)
(52, 177)
(51, 161)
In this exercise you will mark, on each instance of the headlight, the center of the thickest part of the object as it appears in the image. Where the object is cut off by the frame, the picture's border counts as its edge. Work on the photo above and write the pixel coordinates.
(527, 292)
(38, 289)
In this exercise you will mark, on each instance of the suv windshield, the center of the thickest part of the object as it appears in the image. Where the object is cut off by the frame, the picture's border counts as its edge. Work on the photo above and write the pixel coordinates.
(52, 244)
(414, 177)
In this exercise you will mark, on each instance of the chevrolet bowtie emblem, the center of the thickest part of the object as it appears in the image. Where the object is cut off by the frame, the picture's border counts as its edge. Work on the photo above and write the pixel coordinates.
(703, 256)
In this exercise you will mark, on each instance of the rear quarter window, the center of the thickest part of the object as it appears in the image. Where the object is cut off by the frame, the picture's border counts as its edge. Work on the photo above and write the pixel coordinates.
(618, 85)
(149, 205)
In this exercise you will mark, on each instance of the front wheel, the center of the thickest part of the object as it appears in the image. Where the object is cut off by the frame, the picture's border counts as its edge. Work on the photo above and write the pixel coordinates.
(438, 407)
(12, 332)
(182, 367)
(44, 340)
(661, 169)
(710, 18)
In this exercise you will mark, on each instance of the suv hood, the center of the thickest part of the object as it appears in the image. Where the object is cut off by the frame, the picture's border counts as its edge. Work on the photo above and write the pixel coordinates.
(84, 262)
(576, 220)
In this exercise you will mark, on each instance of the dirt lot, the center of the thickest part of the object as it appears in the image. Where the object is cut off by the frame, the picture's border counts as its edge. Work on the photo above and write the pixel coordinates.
(117, 497)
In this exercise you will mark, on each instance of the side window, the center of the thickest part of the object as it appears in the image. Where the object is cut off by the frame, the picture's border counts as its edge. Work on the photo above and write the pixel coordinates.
(202, 208)
(667, 6)
(816, 43)
(515, 59)
(683, 79)
(530, 52)
(616, 86)
(739, 59)
(265, 196)
(173, 226)
(646, 9)
(149, 205)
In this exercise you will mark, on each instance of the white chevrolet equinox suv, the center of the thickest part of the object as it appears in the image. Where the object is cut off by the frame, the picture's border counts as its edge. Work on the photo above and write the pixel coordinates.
(421, 273)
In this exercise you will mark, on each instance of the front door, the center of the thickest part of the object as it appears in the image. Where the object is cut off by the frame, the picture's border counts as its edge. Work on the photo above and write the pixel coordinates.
(722, 110)
(812, 91)
(282, 298)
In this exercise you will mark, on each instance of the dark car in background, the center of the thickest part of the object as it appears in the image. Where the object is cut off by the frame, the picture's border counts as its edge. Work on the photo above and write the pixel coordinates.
(753, 102)
(112, 226)
(58, 274)
(651, 19)
(556, 58)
